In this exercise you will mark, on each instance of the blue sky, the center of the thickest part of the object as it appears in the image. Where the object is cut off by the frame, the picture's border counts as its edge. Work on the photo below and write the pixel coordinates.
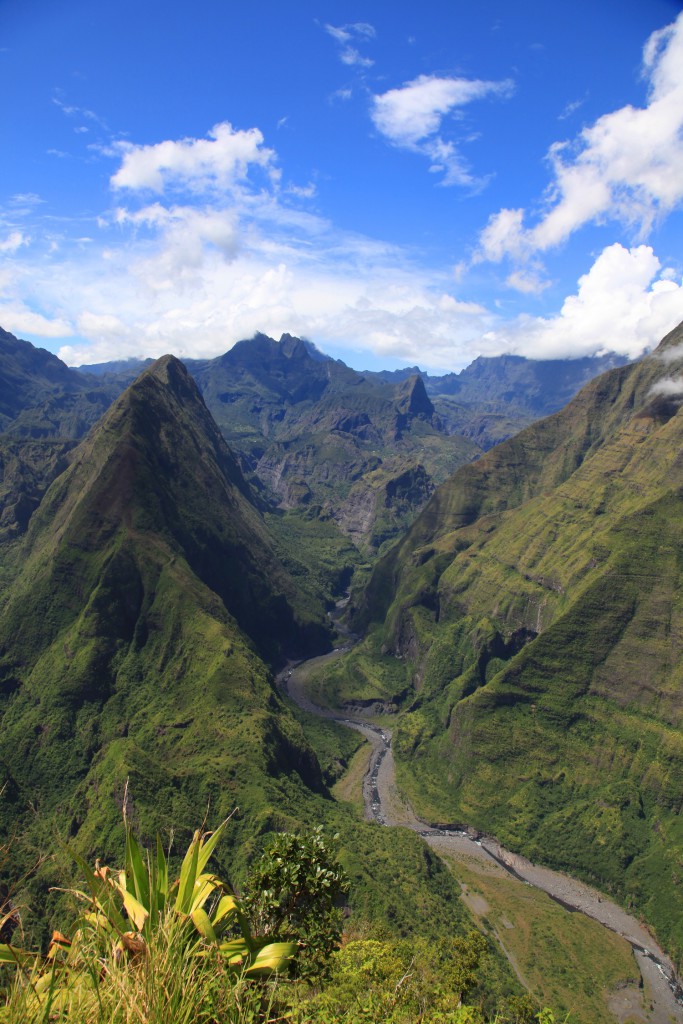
(399, 182)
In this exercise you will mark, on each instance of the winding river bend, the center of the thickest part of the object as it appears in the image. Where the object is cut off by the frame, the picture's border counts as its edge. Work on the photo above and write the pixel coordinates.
(384, 805)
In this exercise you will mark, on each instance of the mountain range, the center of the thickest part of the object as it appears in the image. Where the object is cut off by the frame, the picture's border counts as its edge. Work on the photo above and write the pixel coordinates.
(142, 613)
(169, 538)
(364, 450)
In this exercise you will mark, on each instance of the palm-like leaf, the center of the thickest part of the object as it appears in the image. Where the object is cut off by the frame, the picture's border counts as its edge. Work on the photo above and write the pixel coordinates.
(200, 919)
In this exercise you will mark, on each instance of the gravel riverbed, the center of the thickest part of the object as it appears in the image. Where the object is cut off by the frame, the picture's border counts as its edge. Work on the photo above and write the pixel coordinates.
(384, 804)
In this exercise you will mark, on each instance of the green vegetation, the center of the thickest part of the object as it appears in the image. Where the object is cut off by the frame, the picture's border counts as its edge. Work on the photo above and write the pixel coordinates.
(314, 551)
(522, 636)
(567, 960)
(536, 605)
(149, 597)
(364, 676)
(136, 923)
(145, 950)
(294, 891)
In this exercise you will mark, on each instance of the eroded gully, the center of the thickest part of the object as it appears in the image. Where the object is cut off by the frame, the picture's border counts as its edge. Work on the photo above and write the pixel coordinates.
(384, 805)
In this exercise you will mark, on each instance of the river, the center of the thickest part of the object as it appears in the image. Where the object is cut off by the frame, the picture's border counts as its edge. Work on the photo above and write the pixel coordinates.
(384, 805)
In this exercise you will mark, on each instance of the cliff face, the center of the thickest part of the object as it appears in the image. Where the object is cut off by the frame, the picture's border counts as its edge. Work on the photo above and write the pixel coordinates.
(315, 433)
(538, 599)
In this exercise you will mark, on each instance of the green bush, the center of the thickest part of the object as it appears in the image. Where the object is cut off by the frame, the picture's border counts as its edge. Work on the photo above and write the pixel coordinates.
(294, 892)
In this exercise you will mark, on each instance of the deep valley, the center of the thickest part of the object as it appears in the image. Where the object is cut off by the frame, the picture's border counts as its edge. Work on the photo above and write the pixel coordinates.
(484, 567)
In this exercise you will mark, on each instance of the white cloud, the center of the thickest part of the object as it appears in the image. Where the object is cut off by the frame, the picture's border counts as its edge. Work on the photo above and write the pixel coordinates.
(414, 111)
(100, 326)
(670, 387)
(503, 235)
(194, 275)
(223, 158)
(14, 241)
(622, 305)
(412, 116)
(19, 320)
(528, 281)
(671, 355)
(345, 36)
(626, 167)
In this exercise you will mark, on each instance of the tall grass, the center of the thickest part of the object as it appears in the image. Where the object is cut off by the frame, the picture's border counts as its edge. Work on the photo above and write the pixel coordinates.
(163, 985)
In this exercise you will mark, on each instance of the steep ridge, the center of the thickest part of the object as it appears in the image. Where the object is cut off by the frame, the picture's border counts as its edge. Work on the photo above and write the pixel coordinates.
(497, 396)
(311, 433)
(537, 600)
(146, 595)
(40, 397)
(133, 639)
(315, 433)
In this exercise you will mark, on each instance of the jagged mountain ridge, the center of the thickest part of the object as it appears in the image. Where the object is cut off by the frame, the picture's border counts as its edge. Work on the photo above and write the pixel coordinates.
(496, 396)
(365, 449)
(537, 599)
(316, 433)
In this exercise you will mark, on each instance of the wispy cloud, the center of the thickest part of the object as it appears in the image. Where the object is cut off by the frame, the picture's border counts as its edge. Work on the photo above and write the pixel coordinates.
(571, 109)
(412, 116)
(81, 113)
(626, 167)
(12, 242)
(348, 37)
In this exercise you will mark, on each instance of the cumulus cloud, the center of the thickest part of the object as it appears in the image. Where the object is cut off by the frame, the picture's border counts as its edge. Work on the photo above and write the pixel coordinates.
(194, 273)
(217, 161)
(412, 116)
(623, 304)
(345, 298)
(626, 167)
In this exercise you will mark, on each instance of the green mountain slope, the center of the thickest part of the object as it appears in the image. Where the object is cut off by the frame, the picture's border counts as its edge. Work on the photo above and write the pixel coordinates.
(138, 616)
(537, 600)
(362, 450)
(146, 596)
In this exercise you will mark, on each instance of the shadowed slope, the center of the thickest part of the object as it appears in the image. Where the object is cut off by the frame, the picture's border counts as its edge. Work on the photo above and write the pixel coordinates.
(132, 641)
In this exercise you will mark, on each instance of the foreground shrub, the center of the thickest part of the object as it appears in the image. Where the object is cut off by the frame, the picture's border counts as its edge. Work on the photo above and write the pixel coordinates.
(400, 982)
(294, 892)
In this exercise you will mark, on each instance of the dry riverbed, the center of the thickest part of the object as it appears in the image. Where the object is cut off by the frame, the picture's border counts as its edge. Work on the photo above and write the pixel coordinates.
(659, 999)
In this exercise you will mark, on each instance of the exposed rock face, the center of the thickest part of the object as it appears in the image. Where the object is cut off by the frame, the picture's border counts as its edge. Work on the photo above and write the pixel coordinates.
(26, 471)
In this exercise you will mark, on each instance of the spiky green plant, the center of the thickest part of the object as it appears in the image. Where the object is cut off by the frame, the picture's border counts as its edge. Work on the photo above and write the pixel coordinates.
(143, 944)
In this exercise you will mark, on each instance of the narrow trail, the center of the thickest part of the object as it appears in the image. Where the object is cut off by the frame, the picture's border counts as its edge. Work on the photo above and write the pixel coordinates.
(385, 805)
